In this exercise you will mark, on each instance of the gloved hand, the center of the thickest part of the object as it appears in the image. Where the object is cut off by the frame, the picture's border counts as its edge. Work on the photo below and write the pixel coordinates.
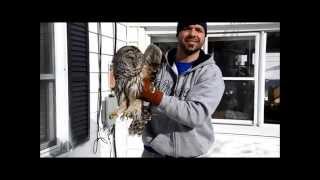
(150, 95)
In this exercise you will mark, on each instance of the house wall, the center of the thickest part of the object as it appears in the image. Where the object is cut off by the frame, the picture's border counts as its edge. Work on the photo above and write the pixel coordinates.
(125, 36)
(272, 65)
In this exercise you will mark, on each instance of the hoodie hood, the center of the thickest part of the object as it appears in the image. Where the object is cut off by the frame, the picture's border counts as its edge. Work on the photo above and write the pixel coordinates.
(203, 59)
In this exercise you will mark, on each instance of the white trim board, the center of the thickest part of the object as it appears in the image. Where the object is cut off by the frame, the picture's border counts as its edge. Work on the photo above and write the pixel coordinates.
(270, 130)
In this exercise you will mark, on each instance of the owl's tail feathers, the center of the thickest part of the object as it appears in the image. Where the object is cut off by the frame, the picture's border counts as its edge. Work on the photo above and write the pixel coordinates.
(139, 122)
(137, 127)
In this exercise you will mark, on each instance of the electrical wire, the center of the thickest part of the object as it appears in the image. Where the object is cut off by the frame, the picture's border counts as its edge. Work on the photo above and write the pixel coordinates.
(110, 131)
(99, 136)
(114, 52)
(96, 142)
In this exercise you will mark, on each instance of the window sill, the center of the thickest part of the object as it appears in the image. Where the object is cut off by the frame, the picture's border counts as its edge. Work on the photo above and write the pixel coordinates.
(268, 130)
(50, 152)
(56, 151)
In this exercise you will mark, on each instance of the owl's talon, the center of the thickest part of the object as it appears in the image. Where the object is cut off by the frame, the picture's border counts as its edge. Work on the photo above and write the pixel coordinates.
(113, 116)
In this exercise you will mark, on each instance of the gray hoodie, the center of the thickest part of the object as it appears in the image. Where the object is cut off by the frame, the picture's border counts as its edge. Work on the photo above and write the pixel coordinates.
(181, 125)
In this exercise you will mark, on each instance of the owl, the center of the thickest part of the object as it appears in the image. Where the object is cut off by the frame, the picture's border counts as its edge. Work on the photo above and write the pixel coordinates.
(130, 67)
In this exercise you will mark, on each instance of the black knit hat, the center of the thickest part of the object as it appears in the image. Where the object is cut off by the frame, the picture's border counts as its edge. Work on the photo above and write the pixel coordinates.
(183, 24)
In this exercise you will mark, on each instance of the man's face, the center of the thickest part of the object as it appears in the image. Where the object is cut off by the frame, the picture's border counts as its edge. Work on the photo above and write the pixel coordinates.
(191, 38)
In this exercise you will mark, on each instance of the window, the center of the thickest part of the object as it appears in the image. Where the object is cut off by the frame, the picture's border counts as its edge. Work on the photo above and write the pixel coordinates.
(237, 101)
(272, 79)
(165, 43)
(235, 56)
(47, 87)
(166, 46)
(234, 53)
(273, 42)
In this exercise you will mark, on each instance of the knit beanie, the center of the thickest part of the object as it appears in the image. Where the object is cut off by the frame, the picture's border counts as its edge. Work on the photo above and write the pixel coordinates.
(183, 24)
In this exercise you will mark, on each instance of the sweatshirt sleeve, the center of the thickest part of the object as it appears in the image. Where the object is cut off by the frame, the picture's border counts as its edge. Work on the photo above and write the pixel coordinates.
(200, 103)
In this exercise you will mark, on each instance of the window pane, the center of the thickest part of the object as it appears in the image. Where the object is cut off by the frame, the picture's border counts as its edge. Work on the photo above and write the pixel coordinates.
(47, 118)
(46, 35)
(273, 42)
(234, 55)
(272, 102)
(43, 112)
(237, 101)
(165, 46)
(272, 83)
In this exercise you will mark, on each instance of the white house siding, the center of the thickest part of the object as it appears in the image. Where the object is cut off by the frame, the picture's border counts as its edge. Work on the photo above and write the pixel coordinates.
(107, 32)
(126, 146)
(272, 65)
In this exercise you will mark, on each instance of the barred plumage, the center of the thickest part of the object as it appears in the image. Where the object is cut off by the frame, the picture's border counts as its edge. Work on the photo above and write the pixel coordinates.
(130, 67)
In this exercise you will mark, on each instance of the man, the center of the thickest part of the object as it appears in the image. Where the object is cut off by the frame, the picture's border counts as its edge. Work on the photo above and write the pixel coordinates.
(190, 88)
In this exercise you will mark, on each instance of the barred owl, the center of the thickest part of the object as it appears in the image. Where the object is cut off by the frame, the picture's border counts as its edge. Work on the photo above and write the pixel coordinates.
(130, 67)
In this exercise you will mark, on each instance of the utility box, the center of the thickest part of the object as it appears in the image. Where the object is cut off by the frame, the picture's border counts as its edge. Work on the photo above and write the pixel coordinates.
(109, 105)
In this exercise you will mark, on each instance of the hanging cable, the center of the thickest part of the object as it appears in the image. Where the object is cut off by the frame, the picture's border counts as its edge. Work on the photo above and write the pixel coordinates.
(114, 52)
(111, 131)
(96, 142)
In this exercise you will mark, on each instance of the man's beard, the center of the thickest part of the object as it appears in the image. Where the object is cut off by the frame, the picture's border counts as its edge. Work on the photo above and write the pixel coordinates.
(188, 50)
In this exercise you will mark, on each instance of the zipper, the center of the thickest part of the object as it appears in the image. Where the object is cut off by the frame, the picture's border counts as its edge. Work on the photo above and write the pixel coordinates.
(177, 95)
(175, 145)
(173, 134)
(176, 86)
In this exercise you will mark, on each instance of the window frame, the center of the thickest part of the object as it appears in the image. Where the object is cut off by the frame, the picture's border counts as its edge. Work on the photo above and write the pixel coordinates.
(50, 78)
(255, 78)
(61, 92)
(156, 38)
(265, 36)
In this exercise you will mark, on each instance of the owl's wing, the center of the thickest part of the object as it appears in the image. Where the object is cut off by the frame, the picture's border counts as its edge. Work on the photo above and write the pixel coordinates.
(153, 58)
(152, 55)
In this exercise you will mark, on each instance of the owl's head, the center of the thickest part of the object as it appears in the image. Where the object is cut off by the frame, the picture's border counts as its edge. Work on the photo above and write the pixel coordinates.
(128, 61)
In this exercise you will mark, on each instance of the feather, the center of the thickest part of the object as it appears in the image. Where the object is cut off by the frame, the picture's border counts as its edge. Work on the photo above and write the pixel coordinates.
(130, 67)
